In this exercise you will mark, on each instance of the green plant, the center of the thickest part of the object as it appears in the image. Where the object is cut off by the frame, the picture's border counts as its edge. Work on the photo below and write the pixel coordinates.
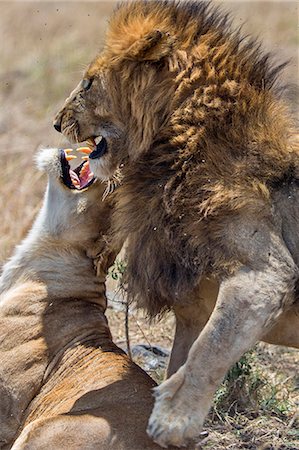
(117, 271)
(246, 389)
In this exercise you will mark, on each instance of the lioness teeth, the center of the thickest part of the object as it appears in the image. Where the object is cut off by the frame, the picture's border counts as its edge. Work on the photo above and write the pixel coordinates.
(75, 183)
(85, 169)
(81, 176)
(75, 179)
(85, 150)
(70, 157)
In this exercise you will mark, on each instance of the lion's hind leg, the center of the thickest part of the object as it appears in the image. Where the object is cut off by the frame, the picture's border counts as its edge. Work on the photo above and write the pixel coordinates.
(191, 318)
(286, 329)
(247, 304)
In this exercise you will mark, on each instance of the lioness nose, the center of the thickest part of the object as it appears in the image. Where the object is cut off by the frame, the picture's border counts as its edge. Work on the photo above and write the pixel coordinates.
(57, 125)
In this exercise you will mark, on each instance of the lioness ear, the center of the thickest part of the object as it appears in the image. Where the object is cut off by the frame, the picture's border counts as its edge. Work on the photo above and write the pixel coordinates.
(151, 47)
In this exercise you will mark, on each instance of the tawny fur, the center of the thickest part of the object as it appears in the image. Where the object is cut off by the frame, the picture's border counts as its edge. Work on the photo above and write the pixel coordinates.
(194, 115)
(63, 383)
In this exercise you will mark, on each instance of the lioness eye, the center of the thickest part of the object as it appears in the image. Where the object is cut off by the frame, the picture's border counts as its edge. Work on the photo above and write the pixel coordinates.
(86, 83)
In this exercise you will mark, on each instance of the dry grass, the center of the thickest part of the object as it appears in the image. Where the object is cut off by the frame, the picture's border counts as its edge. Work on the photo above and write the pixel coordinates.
(45, 46)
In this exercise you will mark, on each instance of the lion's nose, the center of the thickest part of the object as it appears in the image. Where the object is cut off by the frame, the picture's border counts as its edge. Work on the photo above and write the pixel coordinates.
(57, 125)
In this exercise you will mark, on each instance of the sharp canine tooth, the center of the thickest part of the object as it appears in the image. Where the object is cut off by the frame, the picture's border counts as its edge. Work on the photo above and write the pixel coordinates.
(84, 169)
(70, 157)
(85, 150)
(98, 139)
(75, 182)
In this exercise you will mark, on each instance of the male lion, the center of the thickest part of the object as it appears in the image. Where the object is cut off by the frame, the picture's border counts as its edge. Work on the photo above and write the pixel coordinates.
(193, 115)
(63, 383)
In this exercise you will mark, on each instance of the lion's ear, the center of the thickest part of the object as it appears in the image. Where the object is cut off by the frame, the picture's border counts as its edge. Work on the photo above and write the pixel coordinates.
(151, 47)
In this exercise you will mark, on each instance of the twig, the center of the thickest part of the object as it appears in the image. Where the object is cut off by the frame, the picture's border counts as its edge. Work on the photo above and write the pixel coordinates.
(293, 420)
(141, 330)
(127, 329)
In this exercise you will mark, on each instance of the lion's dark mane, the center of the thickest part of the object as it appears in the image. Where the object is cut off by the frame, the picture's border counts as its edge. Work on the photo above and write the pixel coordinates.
(219, 155)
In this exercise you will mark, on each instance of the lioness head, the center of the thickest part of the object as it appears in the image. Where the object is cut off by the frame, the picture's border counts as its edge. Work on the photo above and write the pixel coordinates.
(68, 214)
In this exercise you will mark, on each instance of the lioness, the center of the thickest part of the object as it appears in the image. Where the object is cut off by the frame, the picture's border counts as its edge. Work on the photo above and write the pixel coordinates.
(63, 383)
(194, 116)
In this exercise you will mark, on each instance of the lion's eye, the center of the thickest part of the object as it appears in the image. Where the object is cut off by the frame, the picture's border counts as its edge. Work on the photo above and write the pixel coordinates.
(86, 83)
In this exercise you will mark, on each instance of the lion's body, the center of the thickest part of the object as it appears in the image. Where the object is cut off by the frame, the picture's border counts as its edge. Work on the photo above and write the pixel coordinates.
(63, 383)
(220, 157)
(182, 242)
(195, 118)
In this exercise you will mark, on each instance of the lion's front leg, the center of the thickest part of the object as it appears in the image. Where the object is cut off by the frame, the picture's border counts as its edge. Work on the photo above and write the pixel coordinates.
(248, 303)
(191, 319)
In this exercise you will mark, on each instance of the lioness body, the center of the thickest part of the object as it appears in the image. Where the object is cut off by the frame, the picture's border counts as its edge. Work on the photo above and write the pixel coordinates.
(195, 119)
(63, 383)
(96, 398)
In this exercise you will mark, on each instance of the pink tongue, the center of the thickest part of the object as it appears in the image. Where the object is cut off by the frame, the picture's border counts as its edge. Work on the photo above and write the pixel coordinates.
(83, 178)
(85, 175)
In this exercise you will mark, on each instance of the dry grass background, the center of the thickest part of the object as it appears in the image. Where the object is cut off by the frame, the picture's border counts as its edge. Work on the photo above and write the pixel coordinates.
(44, 48)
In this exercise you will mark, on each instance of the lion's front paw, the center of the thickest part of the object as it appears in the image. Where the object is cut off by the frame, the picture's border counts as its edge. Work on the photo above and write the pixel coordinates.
(176, 418)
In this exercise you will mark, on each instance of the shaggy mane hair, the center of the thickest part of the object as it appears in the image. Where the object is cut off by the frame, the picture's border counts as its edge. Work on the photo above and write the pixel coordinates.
(221, 148)
(191, 23)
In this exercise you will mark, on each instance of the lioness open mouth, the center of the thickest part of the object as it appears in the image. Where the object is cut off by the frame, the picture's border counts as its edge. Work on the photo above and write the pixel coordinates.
(79, 178)
(82, 177)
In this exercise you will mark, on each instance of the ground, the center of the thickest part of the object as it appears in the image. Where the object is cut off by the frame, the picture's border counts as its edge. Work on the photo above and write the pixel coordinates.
(45, 47)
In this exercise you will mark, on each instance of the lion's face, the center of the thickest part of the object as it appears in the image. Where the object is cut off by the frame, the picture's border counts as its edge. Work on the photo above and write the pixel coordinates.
(88, 116)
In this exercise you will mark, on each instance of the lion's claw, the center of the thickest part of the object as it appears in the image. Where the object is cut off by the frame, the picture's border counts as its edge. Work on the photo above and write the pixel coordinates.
(173, 420)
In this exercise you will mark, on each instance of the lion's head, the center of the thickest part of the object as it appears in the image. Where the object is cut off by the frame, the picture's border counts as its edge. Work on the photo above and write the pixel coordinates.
(127, 92)
(173, 73)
